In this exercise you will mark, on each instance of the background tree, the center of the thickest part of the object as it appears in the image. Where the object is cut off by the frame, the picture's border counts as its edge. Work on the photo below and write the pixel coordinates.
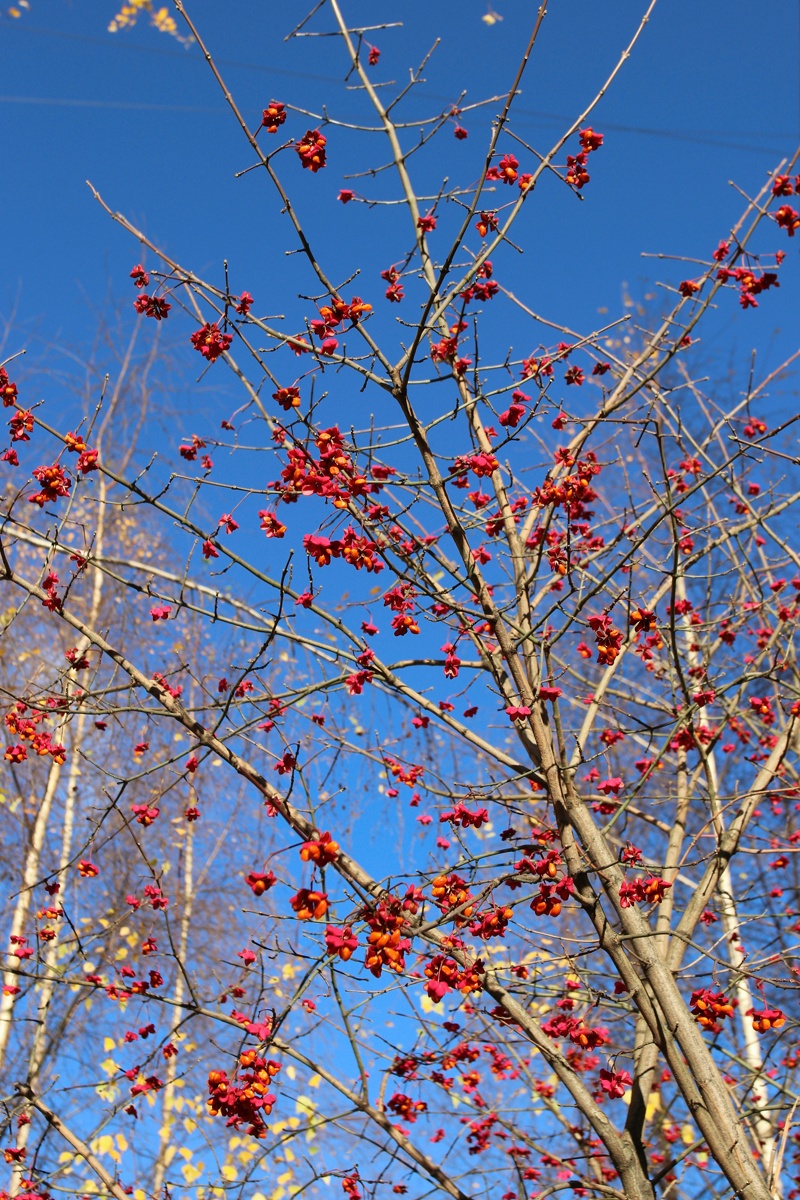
(438, 793)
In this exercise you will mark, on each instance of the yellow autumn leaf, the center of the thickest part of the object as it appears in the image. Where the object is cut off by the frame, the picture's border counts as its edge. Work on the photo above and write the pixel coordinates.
(105, 1145)
(229, 1172)
(163, 21)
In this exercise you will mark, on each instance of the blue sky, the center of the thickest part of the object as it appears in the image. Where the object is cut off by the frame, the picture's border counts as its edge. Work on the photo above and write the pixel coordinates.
(711, 94)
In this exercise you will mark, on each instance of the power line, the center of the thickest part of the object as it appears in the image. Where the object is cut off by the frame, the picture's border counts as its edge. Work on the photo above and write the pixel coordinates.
(67, 102)
(540, 118)
(720, 138)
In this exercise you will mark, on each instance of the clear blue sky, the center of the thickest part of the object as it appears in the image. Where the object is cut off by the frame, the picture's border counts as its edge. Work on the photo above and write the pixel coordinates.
(711, 94)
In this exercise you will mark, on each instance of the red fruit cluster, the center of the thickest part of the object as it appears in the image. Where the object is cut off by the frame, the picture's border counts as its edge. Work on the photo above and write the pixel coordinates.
(483, 287)
(311, 150)
(273, 117)
(553, 890)
(649, 890)
(608, 638)
(507, 170)
(405, 1107)
(750, 284)
(259, 881)
(482, 464)
(268, 521)
(87, 459)
(355, 548)
(25, 728)
(342, 942)
(140, 276)
(394, 292)
(571, 492)
(446, 351)
(492, 923)
(8, 390)
(152, 306)
(332, 315)
(551, 897)
(766, 1018)
(333, 476)
(247, 1098)
(386, 945)
(614, 1083)
(444, 974)
(320, 850)
(460, 815)
(787, 218)
(210, 341)
(562, 1025)
(408, 775)
(451, 892)
(54, 483)
(710, 1008)
(782, 185)
(577, 175)
(308, 905)
(511, 417)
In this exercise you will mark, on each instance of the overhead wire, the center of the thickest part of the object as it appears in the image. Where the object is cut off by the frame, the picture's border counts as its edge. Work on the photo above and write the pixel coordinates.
(750, 141)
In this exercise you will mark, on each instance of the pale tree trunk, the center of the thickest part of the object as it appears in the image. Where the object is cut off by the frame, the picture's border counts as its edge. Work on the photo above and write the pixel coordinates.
(761, 1124)
(30, 875)
(164, 1157)
(46, 989)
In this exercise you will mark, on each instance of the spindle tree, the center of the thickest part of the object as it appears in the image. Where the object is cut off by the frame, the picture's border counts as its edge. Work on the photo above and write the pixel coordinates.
(401, 780)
